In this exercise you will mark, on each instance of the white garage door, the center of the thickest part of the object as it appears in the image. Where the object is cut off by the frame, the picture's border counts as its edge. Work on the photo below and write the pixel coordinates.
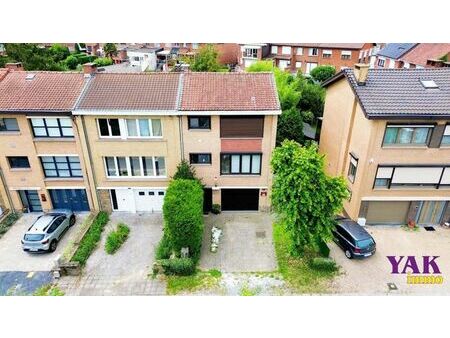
(149, 200)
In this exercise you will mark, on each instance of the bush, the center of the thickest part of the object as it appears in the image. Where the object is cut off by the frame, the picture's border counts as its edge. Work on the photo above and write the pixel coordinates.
(71, 62)
(324, 250)
(185, 171)
(8, 222)
(215, 209)
(91, 238)
(183, 216)
(164, 249)
(178, 266)
(323, 264)
(101, 62)
(116, 238)
(322, 73)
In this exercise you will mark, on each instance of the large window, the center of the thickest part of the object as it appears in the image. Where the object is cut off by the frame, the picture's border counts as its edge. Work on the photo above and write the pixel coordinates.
(414, 176)
(52, 127)
(135, 166)
(61, 166)
(446, 137)
(313, 51)
(109, 127)
(8, 124)
(286, 50)
(310, 66)
(18, 162)
(251, 53)
(353, 165)
(199, 122)
(144, 127)
(200, 158)
(407, 135)
(240, 164)
(299, 51)
(326, 53)
(346, 54)
(274, 49)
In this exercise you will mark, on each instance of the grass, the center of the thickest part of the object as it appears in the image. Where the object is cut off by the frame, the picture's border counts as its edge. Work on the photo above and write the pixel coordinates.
(8, 222)
(246, 291)
(407, 228)
(91, 238)
(297, 271)
(116, 238)
(200, 280)
(48, 290)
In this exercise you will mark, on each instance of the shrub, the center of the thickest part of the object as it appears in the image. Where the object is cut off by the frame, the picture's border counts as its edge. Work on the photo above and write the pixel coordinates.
(71, 62)
(185, 171)
(183, 216)
(100, 62)
(215, 209)
(178, 266)
(48, 290)
(116, 238)
(164, 249)
(322, 73)
(324, 250)
(8, 222)
(323, 264)
(91, 238)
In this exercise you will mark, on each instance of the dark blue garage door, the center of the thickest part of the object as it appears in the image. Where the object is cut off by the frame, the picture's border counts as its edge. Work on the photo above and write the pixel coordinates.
(73, 199)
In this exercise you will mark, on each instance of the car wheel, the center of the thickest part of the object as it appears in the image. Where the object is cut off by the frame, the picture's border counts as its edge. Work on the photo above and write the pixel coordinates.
(53, 245)
(348, 254)
(72, 220)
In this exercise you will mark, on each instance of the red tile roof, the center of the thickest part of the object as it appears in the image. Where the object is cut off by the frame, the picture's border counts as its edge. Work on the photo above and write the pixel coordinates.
(47, 91)
(134, 91)
(424, 51)
(229, 92)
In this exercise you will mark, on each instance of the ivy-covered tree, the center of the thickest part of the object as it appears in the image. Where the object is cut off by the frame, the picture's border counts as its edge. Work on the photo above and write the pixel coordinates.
(110, 50)
(207, 60)
(290, 126)
(303, 195)
(322, 73)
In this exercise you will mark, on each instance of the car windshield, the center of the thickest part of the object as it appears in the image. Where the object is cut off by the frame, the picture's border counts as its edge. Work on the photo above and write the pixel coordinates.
(33, 237)
(364, 243)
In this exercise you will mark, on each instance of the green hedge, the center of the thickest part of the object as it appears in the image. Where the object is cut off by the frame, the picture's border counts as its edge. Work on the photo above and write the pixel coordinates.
(183, 216)
(324, 250)
(101, 62)
(91, 238)
(164, 249)
(178, 266)
(116, 238)
(8, 222)
(323, 264)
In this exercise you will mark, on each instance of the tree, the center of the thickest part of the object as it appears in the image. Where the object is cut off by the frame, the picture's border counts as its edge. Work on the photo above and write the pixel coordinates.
(59, 52)
(305, 198)
(260, 66)
(290, 126)
(185, 171)
(110, 50)
(206, 60)
(312, 98)
(71, 62)
(322, 73)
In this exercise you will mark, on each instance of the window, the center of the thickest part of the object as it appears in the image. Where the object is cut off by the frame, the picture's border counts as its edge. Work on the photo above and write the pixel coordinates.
(407, 135)
(416, 176)
(52, 127)
(56, 223)
(381, 62)
(446, 137)
(326, 53)
(109, 127)
(286, 50)
(283, 64)
(61, 166)
(429, 84)
(352, 168)
(18, 162)
(310, 66)
(298, 65)
(251, 53)
(313, 51)
(346, 54)
(8, 124)
(135, 166)
(143, 127)
(199, 122)
(299, 51)
(274, 49)
(240, 164)
(195, 46)
(200, 158)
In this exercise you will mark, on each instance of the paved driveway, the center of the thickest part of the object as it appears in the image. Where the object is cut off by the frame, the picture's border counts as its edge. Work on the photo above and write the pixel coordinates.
(245, 246)
(125, 272)
(13, 258)
(370, 276)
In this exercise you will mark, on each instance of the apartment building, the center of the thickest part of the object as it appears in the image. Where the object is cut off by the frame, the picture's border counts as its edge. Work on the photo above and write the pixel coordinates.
(106, 141)
(388, 132)
(41, 159)
(390, 55)
(252, 52)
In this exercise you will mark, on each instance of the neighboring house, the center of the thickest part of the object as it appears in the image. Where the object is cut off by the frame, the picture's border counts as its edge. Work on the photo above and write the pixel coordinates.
(41, 157)
(369, 53)
(252, 52)
(419, 56)
(390, 55)
(143, 58)
(304, 57)
(105, 141)
(387, 131)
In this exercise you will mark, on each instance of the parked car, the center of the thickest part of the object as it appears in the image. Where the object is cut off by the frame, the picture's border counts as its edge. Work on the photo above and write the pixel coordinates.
(353, 239)
(47, 231)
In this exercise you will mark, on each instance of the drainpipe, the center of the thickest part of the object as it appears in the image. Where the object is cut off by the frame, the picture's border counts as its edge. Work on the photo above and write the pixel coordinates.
(180, 127)
(8, 195)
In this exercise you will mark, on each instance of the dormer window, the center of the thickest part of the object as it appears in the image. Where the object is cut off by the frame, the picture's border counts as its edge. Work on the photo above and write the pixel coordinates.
(429, 84)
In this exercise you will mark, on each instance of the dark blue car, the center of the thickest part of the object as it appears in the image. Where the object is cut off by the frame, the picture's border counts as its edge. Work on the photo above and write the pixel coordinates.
(353, 239)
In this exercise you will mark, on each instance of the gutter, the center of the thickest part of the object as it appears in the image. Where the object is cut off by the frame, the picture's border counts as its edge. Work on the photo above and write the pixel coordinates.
(8, 194)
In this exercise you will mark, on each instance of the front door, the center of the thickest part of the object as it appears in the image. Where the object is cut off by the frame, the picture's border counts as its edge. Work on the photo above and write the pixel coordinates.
(207, 200)
(30, 200)
(430, 212)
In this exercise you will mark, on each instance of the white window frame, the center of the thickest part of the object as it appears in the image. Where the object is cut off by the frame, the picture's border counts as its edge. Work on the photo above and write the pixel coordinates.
(246, 54)
(150, 123)
(311, 52)
(109, 128)
(381, 60)
(299, 50)
(346, 54)
(327, 52)
(309, 66)
(128, 165)
(274, 50)
(298, 64)
(286, 50)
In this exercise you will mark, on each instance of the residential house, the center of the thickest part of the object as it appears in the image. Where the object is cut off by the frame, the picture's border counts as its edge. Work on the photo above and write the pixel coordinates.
(143, 59)
(390, 55)
(41, 160)
(387, 131)
(419, 56)
(252, 52)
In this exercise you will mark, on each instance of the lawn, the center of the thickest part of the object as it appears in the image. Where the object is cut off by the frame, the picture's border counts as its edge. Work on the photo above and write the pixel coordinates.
(296, 271)
(199, 281)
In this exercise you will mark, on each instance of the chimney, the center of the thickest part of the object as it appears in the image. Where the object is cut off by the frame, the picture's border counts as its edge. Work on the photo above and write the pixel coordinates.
(361, 71)
(89, 68)
(14, 66)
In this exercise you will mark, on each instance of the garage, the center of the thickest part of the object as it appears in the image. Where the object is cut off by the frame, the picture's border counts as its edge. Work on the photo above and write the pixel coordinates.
(73, 199)
(137, 200)
(387, 212)
(240, 199)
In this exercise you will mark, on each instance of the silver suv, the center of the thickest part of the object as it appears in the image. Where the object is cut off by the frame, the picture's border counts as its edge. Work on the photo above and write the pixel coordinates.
(47, 230)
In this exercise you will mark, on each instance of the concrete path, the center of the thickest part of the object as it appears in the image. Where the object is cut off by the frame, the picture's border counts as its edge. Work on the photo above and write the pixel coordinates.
(245, 246)
(125, 272)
